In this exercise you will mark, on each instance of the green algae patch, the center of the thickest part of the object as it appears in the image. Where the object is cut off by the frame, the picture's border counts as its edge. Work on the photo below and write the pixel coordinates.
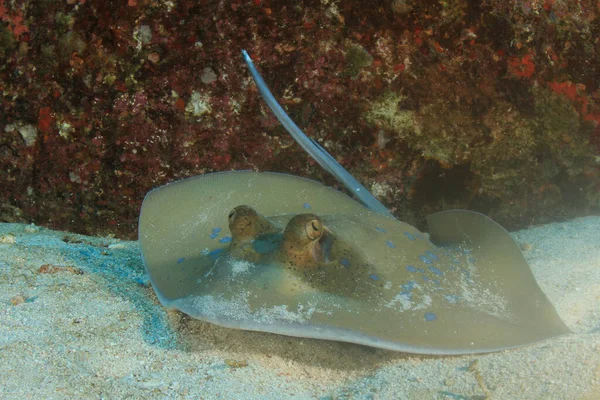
(388, 113)
(513, 157)
(7, 42)
(560, 132)
(357, 57)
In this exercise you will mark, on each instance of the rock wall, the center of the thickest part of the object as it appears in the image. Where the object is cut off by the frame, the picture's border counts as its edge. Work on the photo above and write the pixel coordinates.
(492, 106)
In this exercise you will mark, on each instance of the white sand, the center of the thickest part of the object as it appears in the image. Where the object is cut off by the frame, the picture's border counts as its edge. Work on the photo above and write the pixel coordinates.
(102, 334)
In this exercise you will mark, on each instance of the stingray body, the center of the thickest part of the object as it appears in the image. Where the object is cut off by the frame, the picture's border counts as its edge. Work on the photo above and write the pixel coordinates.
(384, 284)
(278, 253)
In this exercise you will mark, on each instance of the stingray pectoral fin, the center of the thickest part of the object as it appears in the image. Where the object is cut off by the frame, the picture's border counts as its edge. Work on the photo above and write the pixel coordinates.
(499, 263)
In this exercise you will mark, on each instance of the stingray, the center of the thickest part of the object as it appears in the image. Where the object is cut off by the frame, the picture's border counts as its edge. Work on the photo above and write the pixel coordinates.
(278, 253)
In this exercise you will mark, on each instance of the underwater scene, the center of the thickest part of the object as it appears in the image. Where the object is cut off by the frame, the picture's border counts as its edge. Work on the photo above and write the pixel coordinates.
(312, 199)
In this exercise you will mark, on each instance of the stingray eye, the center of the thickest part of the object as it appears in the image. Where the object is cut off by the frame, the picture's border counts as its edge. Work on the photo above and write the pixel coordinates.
(313, 229)
(231, 215)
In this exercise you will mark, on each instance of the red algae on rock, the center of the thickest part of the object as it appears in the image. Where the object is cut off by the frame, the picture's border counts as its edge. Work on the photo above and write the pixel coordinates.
(491, 106)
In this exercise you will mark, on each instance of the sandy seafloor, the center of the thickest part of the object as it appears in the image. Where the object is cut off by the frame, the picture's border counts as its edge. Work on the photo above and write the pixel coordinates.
(87, 325)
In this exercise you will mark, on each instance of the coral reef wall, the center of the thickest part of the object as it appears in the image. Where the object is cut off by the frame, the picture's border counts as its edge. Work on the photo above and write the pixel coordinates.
(489, 105)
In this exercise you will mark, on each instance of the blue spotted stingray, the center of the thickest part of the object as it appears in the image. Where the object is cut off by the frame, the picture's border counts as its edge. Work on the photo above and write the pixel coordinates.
(303, 259)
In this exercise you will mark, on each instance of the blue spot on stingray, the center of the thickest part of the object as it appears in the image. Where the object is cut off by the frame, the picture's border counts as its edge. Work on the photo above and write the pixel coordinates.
(345, 262)
(410, 268)
(180, 260)
(406, 295)
(407, 287)
(432, 255)
(468, 276)
(429, 316)
(435, 270)
(390, 244)
(379, 229)
(225, 239)
(306, 205)
(425, 259)
(213, 255)
(425, 278)
(471, 260)
(450, 298)
(408, 235)
(375, 277)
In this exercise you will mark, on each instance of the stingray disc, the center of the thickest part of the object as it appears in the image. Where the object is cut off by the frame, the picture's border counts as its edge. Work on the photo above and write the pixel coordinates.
(383, 284)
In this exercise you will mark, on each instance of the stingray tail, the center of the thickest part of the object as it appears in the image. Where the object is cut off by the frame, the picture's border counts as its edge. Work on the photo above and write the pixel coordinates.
(316, 151)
